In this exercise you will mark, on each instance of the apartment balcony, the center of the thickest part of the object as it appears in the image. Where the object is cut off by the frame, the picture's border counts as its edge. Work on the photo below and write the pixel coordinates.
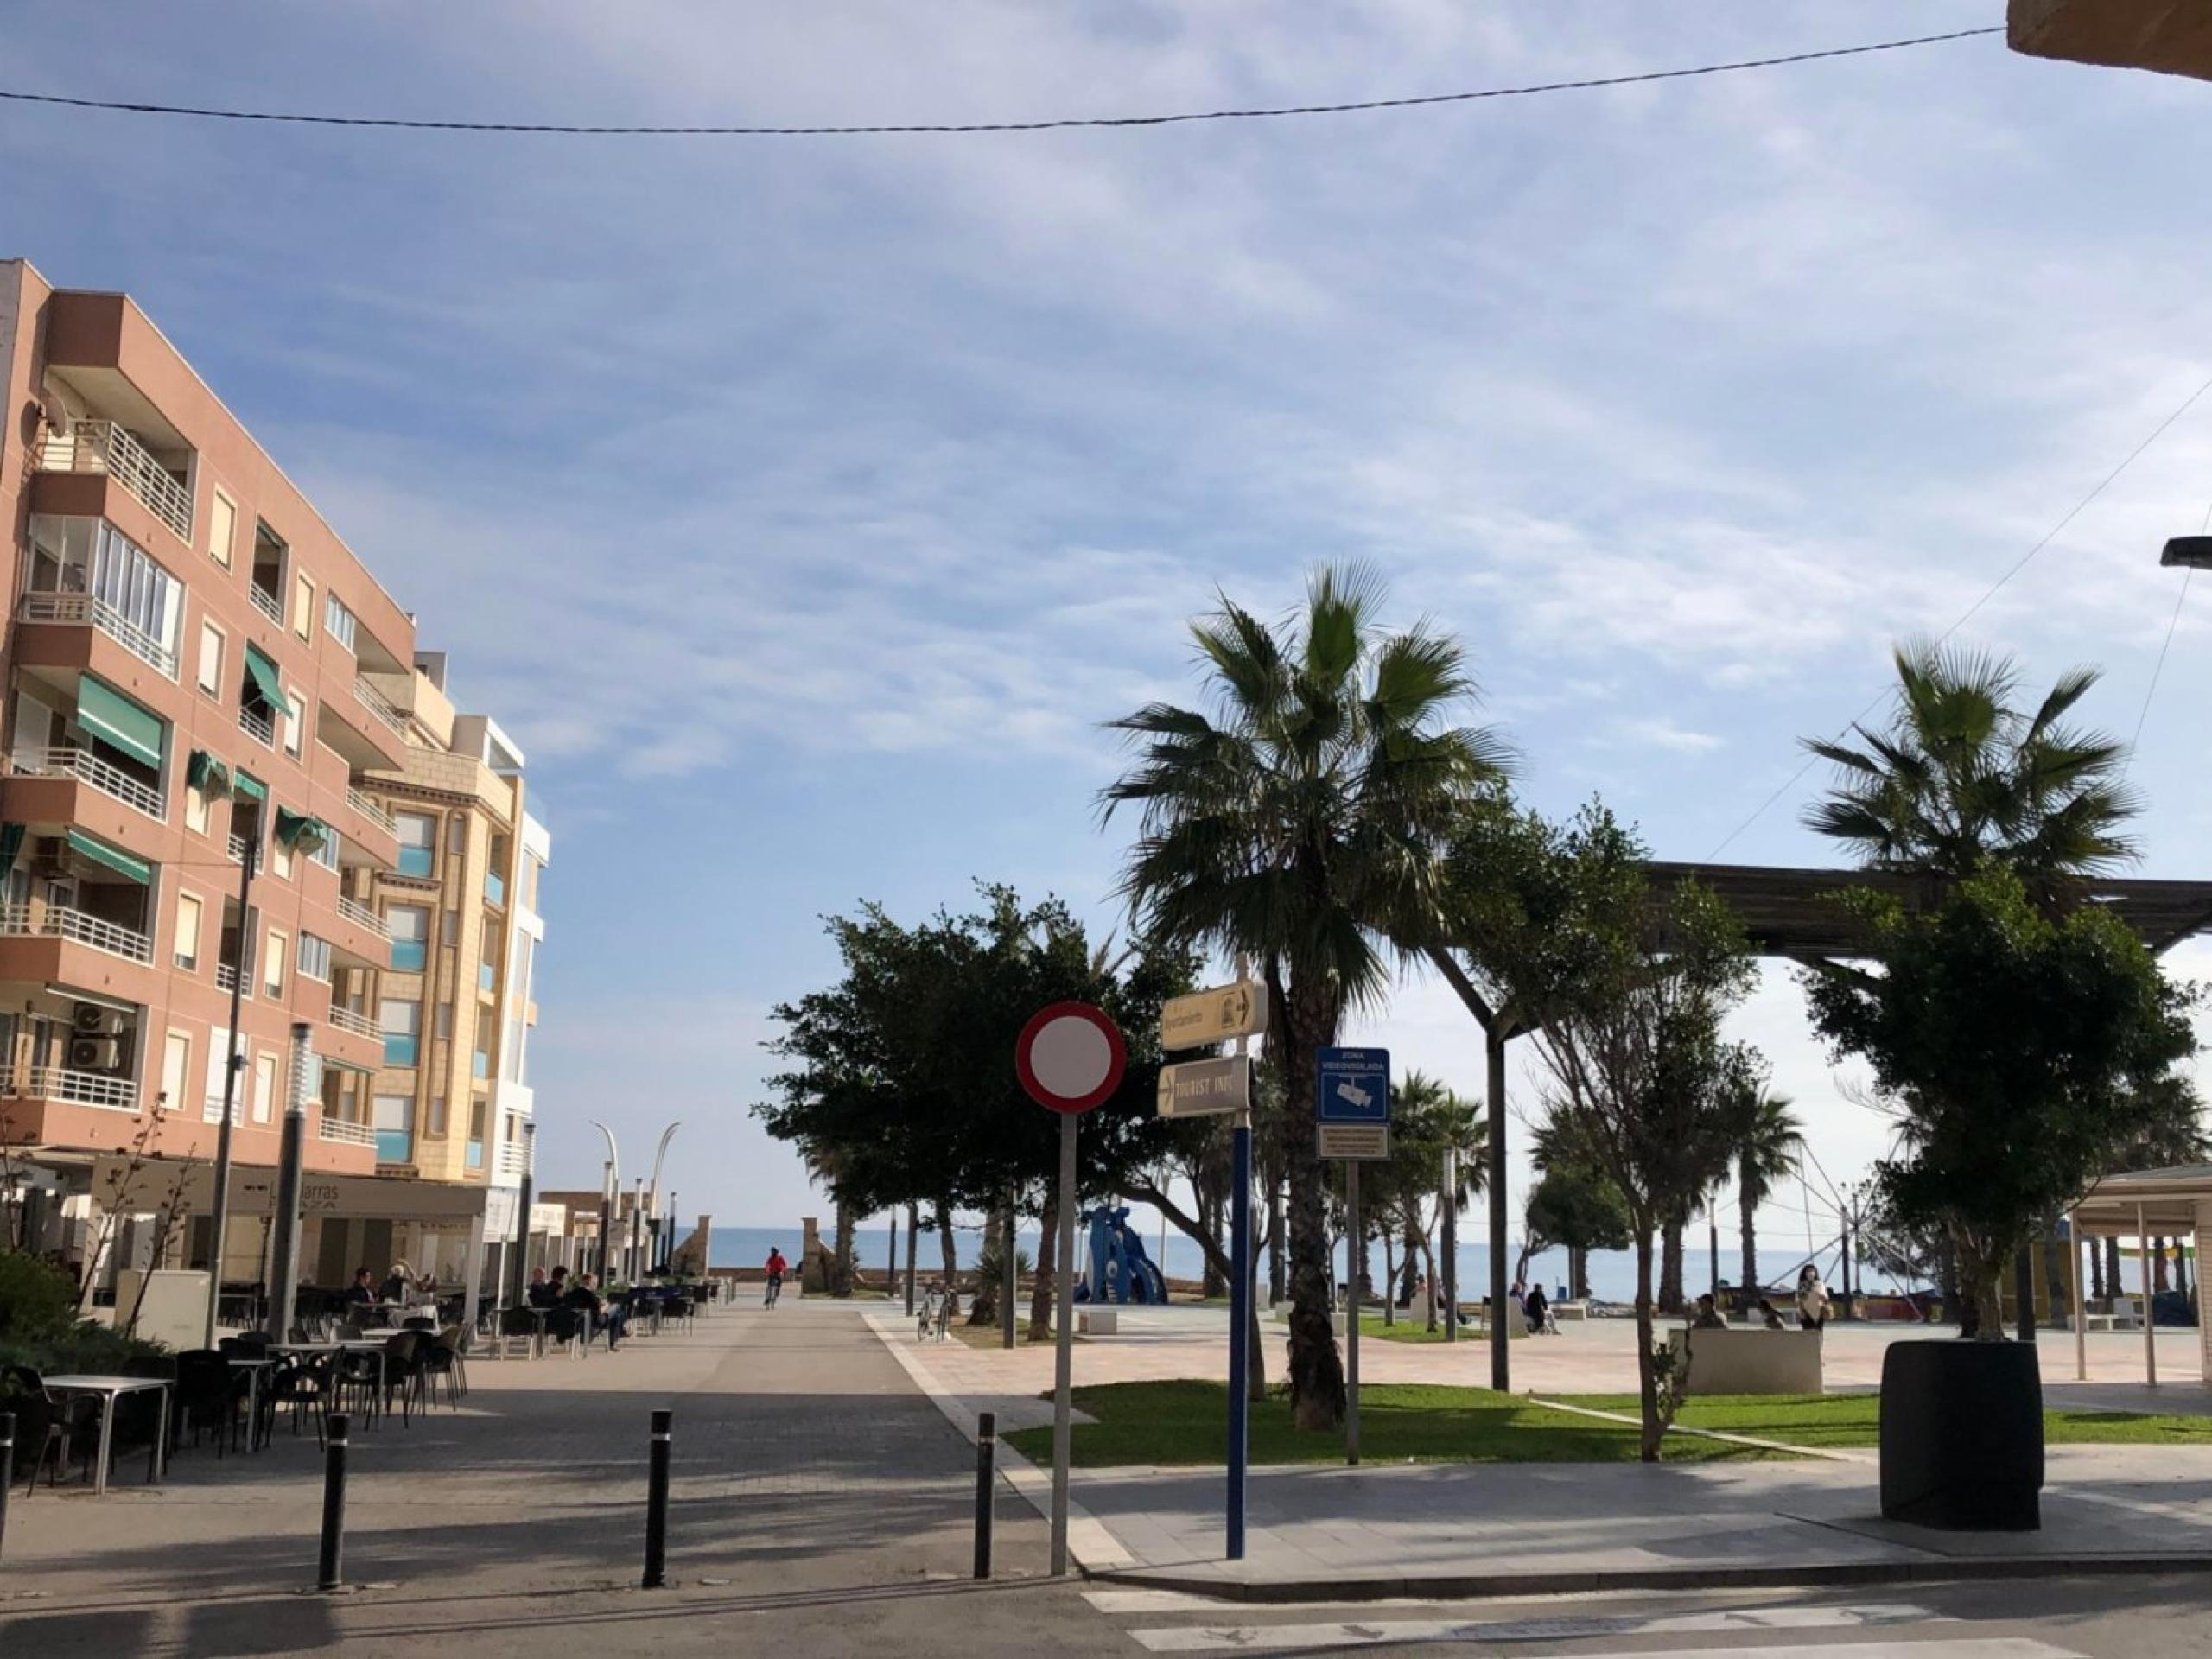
(362, 802)
(83, 611)
(91, 445)
(346, 1133)
(2128, 33)
(359, 1024)
(380, 706)
(514, 1162)
(58, 922)
(77, 1088)
(363, 918)
(266, 602)
(227, 977)
(364, 727)
(90, 770)
(258, 726)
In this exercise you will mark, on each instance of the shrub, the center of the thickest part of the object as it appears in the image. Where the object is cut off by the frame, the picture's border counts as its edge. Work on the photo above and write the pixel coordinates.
(37, 1301)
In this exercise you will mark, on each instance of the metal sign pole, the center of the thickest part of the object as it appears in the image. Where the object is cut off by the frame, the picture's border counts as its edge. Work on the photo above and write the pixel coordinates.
(1240, 1323)
(1354, 1259)
(1063, 1346)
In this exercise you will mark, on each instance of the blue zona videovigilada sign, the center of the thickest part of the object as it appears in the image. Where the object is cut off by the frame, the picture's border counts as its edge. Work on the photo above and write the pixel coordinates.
(1352, 1085)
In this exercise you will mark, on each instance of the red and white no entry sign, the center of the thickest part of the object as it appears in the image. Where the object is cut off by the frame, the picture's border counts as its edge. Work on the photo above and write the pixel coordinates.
(1070, 1057)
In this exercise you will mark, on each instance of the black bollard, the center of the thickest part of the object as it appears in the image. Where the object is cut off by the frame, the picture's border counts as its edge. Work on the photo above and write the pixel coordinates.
(329, 1572)
(7, 1470)
(987, 1447)
(656, 1503)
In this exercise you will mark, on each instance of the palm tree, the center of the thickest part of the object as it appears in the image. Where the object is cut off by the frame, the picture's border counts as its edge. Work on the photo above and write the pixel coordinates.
(1294, 826)
(1965, 776)
(1767, 1147)
(1428, 1122)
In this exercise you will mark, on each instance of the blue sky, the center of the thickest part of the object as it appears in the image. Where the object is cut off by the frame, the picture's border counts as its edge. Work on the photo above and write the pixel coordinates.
(803, 506)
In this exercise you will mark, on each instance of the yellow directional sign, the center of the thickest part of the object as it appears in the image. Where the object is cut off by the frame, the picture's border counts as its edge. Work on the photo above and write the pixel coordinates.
(1214, 1016)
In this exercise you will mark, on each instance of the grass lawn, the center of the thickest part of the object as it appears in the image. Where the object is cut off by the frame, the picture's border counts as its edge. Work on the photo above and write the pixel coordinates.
(1173, 1424)
(1849, 1420)
(1411, 1327)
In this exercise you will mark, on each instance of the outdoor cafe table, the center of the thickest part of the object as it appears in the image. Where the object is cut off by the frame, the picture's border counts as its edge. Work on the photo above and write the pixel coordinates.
(253, 1369)
(109, 1389)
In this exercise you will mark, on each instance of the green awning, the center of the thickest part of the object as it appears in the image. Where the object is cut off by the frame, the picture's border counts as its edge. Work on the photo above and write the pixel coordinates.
(261, 669)
(207, 774)
(11, 842)
(249, 785)
(113, 718)
(114, 857)
(300, 832)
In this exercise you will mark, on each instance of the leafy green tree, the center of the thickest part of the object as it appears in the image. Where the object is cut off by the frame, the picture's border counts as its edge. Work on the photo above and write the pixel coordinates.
(1429, 1125)
(1297, 825)
(901, 1085)
(1966, 775)
(2024, 1050)
(1575, 1206)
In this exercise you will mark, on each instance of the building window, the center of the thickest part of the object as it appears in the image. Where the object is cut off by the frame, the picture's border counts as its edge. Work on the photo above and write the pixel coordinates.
(457, 834)
(280, 860)
(195, 810)
(393, 1116)
(443, 1023)
(451, 928)
(338, 622)
(272, 964)
(176, 1066)
(188, 932)
(314, 958)
(296, 721)
(410, 937)
(419, 841)
(402, 1021)
(265, 1087)
(327, 853)
(302, 607)
(437, 1124)
(222, 529)
(211, 659)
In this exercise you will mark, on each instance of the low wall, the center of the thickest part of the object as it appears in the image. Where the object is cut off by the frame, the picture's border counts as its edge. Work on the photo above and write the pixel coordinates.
(1751, 1361)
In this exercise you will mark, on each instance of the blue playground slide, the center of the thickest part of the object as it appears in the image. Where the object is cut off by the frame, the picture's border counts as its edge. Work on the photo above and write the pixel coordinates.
(1119, 1266)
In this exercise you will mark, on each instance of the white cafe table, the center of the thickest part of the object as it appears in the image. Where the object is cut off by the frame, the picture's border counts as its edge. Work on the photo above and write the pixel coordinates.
(109, 1390)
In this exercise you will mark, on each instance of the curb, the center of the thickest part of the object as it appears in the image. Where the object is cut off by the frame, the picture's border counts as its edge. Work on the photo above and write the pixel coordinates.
(1460, 1586)
(1091, 1547)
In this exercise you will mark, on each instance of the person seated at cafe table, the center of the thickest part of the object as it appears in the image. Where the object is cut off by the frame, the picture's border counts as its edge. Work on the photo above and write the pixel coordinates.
(540, 1294)
(604, 1315)
(361, 1293)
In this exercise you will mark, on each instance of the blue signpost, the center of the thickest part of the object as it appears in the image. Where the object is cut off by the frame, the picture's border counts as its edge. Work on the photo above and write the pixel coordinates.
(1351, 1112)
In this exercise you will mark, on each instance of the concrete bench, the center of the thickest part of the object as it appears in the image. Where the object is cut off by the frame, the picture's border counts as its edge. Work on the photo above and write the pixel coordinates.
(2112, 1322)
(1096, 1321)
(1751, 1361)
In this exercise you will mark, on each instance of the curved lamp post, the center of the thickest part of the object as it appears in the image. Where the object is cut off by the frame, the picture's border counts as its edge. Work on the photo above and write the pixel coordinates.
(610, 1183)
(659, 1157)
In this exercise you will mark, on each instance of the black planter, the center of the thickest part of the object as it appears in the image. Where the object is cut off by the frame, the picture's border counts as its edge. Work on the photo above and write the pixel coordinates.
(1963, 1435)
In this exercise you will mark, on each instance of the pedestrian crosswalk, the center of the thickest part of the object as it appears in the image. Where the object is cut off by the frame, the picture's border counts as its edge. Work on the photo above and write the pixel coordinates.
(1911, 1632)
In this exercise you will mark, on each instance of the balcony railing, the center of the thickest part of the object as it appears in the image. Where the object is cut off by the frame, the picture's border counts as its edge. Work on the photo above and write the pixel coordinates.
(359, 1024)
(79, 1088)
(514, 1160)
(58, 922)
(258, 726)
(363, 918)
(351, 1134)
(377, 705)
(83, 611)
(227, 977)
(369, 810)
(211, 1109)
(266, 602)
(88, 768)
(103, 446)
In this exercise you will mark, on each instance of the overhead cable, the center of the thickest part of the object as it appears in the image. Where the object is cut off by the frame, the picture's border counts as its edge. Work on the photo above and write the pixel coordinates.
(1056, 124)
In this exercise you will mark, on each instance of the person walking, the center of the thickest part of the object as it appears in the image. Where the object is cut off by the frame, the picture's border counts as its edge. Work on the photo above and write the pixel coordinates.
(776, 1267)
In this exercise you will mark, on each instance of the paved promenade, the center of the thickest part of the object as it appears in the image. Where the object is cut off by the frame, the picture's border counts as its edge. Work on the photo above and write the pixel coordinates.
(805, 1461)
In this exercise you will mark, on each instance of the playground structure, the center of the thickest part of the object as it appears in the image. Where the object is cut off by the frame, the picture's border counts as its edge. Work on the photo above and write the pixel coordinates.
(1120, 1270)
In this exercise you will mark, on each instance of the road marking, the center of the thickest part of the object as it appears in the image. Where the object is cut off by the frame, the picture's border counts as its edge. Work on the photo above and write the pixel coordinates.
(1263, 1638)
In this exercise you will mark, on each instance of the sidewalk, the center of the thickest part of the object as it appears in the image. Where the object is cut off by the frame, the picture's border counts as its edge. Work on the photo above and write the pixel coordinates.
(1444, 1530)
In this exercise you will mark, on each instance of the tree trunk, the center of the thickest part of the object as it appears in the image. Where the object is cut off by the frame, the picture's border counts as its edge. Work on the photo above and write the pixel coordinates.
(1213, 1280)
(2158, 1249)
(2115, 1285)
(1647, 1381)
(1317, 1373)
(1274, 1242)
(1670, 1265)
(1980, 1273)
(1389, 1279)
(2097, 1269)
(948, 1251)
(1040, 1290)
(841, 1259)
(1746, 1203)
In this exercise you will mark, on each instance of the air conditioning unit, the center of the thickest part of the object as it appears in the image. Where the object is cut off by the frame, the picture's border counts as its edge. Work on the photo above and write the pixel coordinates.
(94, 1054)
(91, 1019)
